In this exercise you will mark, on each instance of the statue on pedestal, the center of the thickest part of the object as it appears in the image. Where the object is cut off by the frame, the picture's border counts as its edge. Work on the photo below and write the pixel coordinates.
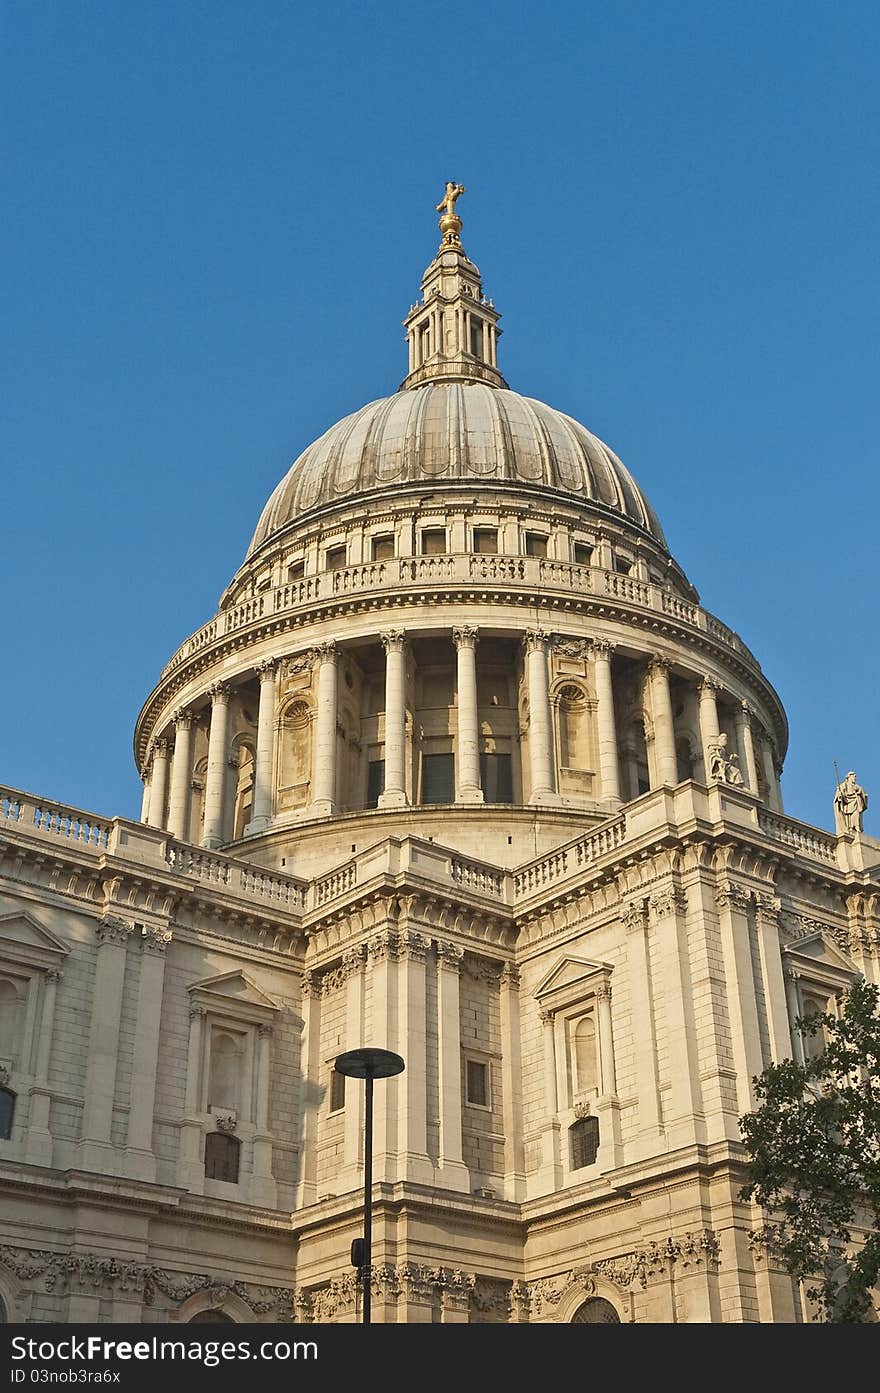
(850, 802)
(722, 767)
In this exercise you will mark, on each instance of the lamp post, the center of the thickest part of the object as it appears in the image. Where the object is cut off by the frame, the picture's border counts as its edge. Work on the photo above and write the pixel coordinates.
(368, 1064)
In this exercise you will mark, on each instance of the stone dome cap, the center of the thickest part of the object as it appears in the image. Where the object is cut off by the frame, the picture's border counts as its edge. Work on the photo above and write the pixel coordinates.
(444, 432)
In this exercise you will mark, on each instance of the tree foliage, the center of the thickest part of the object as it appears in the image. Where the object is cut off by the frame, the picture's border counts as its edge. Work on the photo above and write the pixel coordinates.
(814, 1149)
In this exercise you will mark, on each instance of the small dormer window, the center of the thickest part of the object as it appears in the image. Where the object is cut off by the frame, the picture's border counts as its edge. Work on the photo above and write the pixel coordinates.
(296, 570)
(486, 539)
(536, 544)
(583, 554)
(476, 338)
(383, 548)
(335, 559)
(434, 541)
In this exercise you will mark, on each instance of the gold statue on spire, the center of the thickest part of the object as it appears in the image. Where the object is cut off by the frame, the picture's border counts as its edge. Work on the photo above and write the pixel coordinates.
(450, 222)
(447, 202)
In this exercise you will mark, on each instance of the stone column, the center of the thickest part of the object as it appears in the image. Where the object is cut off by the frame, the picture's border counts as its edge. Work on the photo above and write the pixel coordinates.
(608, 762)
(742, 1007)
(394, 795)
(767, 909)
(511, 1086)
(635, 922)
(794, 1010)
(768, 756)
(145, 800)
(549, 1177)
(468, 788)
(140, 1160)
(665, 758)
(453, 1173)
(100, 1084)
(158, 783)
(263, 1188)
(747, 746)
(667, 908)
(216, 777)
(307, 1092)
(324, 790)
(264, 765)
(540, 719)
(39, 1138)
(708, 690)
(411, 1044)
(181, 777)
(190, 1165)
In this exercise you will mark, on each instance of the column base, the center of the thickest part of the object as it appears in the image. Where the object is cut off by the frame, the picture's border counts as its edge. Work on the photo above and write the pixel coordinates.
(257, 824)
(545, 798)
(140, 1164)
(453, 1175)
(212, 843)
(469, 794)
(393, 798)
(322, 807)
(98, 1156)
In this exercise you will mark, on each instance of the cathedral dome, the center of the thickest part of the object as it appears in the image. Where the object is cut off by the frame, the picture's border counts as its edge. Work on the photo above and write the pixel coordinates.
(453, 431)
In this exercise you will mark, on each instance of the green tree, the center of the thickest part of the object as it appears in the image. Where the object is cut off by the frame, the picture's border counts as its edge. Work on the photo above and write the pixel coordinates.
(814, 1157)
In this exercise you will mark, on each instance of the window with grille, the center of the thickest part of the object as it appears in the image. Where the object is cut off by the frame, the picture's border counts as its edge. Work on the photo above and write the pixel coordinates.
(222, 1157)
(583, 1139)
(383, 548)
(496, 778)
(438, 779)
(7, 1112)
(337, 1090)
(434, 541)
(375, 782)
(486, 539)
(477, 1083)
(536, 544)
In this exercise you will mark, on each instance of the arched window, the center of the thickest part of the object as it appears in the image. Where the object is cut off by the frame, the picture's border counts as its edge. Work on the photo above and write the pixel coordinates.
(596, 1311)
(574, 715)
(7, 1112)
(225, 1056)
(296, 753)
(583, 1138)
(585, 1072)
(244, 791)
(222, 1154)
(684, 759)
(10, 1018)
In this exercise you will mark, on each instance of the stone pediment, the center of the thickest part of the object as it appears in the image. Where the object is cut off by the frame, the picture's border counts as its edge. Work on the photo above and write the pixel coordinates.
(818, 957)
(234, 994)
(571, 980)
(24, 941)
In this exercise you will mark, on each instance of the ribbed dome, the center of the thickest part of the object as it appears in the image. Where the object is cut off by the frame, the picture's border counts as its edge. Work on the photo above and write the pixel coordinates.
(446, 431)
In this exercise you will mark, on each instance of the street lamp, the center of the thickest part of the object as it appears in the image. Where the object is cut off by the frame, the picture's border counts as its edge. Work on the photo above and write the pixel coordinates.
(368, 1064)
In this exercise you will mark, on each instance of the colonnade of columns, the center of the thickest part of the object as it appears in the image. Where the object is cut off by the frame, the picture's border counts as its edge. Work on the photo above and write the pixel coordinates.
(170, 780)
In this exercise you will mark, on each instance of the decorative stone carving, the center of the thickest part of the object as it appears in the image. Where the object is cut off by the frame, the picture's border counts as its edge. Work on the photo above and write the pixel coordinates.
(490, 1301)
(327, 652)
(603, 649)
(393, 640)
(302, 662)
(412, 945)
(384, 945)
(267, 668)
(536, 640)
(544, 1294)
(113, 930)
(640, 1266)
(669, 900)
(155, 939)
(220, 692)
(465, 636)
(226, 1122)
(510, 976)
(5, 1076)
(581, 1110)
(573, 647)
(633, 915)
(182, 718)
(449, 955)
(732, 896)
(722, 767)
(310, 985)
(850, 802)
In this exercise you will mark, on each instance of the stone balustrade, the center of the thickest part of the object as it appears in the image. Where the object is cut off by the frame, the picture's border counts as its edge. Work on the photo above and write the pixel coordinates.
(55, 820)
(569, 859)
(242, 877)
(806, 840)
(466, 570)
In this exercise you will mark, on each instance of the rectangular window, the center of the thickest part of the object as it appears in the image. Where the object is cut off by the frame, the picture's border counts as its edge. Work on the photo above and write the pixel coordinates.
(383, 548)
(583, 555)
(477, 338)
(296, 570)
(375, 781)
(222, 1154)
(477, 1083)
(434, 541)
(485, 539)
(335, 559)
(438, 779)
(425, 342)
(584, 1139)
(337, 1091)
(621, 564)
(496, 777)
(536, 544)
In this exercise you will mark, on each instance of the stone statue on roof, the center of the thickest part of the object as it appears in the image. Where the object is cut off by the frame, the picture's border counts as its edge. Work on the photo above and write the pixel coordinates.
(850, 802)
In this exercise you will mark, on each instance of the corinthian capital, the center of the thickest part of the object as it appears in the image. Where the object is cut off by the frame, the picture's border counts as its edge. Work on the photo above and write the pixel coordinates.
(536, 640)
(182, 718)
(219, 693)
(327, 652)
(633, 915)
(266, 669)
(465, 636)
(658, 665)
(393, 640)
(602, 649)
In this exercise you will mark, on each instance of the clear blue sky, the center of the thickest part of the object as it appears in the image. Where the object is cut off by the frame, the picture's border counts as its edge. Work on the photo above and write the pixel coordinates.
(217, 214)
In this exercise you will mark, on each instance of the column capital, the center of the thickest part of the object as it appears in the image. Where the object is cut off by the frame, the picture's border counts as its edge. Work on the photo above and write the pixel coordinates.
(155, 939)
(267, 669)
(465, 636)
(748, 712)
(53, 974)
(113, 930)
(633, 916)
(145, 771)
(767, 906)
(412, 945)
(310, 984)
(220, 693)
(536, 640)
(327, 652)
(160, 747)
(603, 991)
(182, 718)
(710, 686)
(265, 1030)
(602, 649)
(197, 1012)
(449, 955)
(545, 1017)
(730, 895)
(669, 900)
(510, 976)
(393, 640)
(658, 664)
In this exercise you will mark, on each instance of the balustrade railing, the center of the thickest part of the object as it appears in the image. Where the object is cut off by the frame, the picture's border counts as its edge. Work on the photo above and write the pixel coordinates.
(336, 883)
(570, 858)
(241, 877)
(475, 875)
(465, 570)
(809, 841)
(52, 819)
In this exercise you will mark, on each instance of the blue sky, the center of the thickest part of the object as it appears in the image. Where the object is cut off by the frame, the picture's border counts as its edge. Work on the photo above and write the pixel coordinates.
(217, 214)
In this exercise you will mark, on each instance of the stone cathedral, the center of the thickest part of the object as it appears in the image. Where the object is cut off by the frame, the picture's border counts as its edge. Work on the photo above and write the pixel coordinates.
(461, 768)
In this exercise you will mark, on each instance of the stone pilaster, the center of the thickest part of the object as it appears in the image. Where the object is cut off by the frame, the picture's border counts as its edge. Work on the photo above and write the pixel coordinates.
(453, 1173)
(263, 1190)
(140, 1159)
(308, 1090)
(100, 1086)
(767, 909)
(667, 908)
(511, 1092)
(39, 1138)
(635, 921)
(732, 902)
